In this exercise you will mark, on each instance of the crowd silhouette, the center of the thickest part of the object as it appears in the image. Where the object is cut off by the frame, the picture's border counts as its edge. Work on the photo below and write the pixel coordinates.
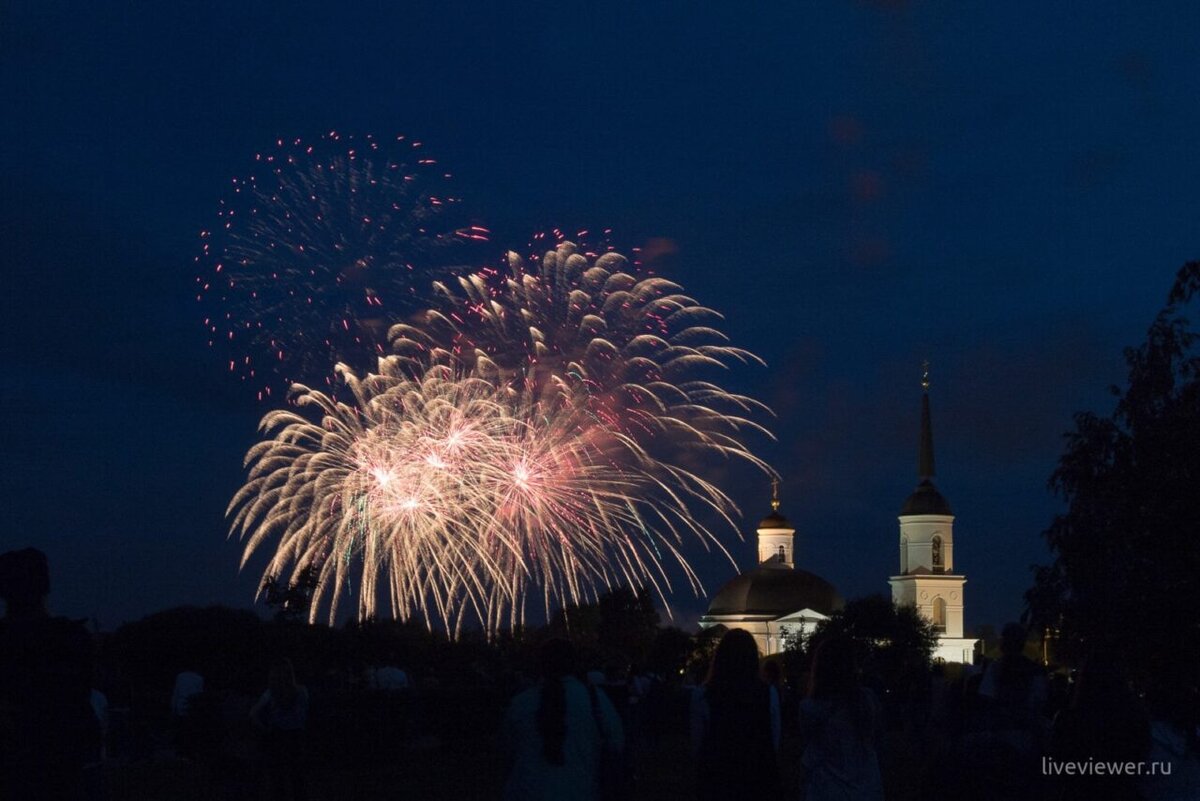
(543, 718)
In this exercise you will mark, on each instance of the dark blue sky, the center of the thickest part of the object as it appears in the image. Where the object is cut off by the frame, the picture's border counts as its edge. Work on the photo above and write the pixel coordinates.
(856, 185)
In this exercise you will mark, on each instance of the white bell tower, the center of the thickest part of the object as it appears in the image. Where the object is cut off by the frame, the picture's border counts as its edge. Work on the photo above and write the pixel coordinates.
(927, 579)
(776, 536)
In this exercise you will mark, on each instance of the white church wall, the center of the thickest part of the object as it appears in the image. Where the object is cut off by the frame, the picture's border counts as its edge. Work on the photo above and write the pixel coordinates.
(770, 635)
(955, 649)
(771, 540)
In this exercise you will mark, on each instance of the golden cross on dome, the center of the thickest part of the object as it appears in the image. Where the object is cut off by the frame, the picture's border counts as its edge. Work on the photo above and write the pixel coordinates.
(775, 494)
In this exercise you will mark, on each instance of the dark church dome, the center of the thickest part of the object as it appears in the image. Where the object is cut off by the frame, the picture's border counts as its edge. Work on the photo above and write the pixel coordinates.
(926, 500)
(775, 520)
(775, 591)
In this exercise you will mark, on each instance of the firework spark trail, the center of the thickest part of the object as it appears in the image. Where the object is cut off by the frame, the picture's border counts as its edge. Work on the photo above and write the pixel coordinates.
(319, 250)
(531, 435)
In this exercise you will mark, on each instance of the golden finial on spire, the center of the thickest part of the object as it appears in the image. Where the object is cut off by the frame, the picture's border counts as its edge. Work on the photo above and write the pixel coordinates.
(775, 495)
(925, 375)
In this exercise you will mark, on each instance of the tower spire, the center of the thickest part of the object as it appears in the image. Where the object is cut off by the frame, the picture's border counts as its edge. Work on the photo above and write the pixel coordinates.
(775, 495)
(925, 468)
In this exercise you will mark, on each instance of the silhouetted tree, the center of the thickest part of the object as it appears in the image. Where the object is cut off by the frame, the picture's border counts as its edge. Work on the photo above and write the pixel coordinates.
(628, 625)
(895, 643)
(794, 654)
(579, 622)
(1127, 549)
(669, 652)
(226, 646)
(620, 627)
(704, 645)
(291, 600)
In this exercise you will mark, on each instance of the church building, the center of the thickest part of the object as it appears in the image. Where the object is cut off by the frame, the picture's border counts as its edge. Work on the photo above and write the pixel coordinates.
(776, 600)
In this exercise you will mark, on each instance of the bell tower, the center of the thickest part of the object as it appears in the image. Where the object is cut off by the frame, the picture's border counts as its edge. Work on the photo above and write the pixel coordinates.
(927, 579)
(776, 536)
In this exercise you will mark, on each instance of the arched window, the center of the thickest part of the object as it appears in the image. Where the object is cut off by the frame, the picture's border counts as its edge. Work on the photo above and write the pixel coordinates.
(939, 613)
(937, 552)
(782, 554)
(903, 554)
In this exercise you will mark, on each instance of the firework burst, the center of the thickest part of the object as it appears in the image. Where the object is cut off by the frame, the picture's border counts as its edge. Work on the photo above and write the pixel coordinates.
(320, 249)
(535, 435)
(446, 496)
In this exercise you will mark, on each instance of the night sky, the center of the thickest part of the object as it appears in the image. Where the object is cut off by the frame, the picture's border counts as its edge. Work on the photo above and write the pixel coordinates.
(857, 186)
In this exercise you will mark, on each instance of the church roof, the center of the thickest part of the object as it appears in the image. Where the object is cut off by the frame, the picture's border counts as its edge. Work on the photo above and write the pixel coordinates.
(775, 590)
(926, 500)
(925, 468)
(775, 520)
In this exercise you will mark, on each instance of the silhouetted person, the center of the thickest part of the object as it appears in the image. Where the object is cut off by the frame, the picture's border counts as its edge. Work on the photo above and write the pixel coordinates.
(282, 714)
(1058, 695)
(1001, 755)
(389, 678)
(1016, 691)
(188, 685)
(772, 676)
(735, 725)
(638, 685)
(556, 732)
(48, 730)
(842, 727)
(188, 718)
(1174, 739)
(1104, 722)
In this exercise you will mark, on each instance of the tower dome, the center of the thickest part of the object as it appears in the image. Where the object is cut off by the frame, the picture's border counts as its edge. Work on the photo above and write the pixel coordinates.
(925, 500)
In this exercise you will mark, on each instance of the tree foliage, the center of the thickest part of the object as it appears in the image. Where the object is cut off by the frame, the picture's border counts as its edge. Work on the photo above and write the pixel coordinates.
(895, 643)
(620, 628)
(1125, 579)
(291, 600)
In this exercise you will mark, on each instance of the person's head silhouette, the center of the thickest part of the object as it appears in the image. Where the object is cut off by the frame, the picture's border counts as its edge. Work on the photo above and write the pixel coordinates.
(735, 662)
(24, 581)
(556, 659)
(834, 673)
